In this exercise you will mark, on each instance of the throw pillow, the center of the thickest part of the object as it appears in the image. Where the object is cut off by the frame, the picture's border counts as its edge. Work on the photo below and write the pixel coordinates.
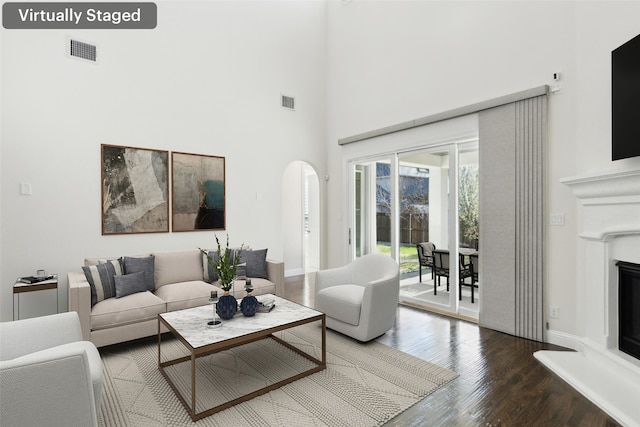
(117, 265)
(101, 280)
(146, 264)
(209, 274)
(256, 263)
(130, 284)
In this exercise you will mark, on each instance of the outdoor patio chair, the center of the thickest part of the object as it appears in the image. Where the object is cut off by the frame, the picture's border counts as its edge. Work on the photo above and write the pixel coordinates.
(425, 257)
(441, 268)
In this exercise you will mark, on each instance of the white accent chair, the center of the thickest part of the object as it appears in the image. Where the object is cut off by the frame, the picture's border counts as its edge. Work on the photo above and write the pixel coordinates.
(49, 376)
(360, 299)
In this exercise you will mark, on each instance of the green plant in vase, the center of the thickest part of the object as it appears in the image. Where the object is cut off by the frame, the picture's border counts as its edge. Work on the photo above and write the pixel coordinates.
(225, 264)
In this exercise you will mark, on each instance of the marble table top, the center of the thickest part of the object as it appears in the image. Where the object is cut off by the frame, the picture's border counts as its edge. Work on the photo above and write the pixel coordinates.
(191, 323)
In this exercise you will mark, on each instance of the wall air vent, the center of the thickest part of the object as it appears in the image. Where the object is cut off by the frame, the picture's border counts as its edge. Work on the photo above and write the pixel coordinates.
(82, 50)
(288, 102)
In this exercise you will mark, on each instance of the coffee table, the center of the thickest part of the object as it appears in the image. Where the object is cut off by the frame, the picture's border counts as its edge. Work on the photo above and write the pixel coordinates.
(190, 327)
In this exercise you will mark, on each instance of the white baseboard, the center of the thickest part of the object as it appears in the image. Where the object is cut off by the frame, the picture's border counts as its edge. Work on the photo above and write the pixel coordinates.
(563, 339)
(294, 272)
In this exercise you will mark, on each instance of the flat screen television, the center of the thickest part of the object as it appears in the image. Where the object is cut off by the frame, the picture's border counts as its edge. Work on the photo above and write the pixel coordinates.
(625, 100)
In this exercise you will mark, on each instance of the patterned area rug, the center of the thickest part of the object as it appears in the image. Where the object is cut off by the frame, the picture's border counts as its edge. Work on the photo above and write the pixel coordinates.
(363, 385)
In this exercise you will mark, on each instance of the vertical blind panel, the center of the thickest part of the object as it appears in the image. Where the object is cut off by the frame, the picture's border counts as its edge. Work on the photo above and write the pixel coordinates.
(530, 141)
(497, 218)
(512, 191)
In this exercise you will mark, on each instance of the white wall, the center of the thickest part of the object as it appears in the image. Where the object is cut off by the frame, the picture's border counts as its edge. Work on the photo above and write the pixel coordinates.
(616, 23)
(207, 80)
(391, 62)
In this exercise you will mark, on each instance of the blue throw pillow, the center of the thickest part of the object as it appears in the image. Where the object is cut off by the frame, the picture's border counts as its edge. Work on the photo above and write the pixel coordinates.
(101, 280)
(256, 262)
(209, 274)
(146, 264)
(130, 284)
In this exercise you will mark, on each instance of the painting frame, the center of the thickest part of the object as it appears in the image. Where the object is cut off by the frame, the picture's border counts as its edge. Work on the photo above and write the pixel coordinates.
(198, 192)
(135, 190)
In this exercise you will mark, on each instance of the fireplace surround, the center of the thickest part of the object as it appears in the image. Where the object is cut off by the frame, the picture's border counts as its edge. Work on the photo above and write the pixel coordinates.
(608, 228)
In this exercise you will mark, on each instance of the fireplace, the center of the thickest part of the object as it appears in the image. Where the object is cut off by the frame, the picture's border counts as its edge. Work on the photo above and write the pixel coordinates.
(629, 308)
(608, 238)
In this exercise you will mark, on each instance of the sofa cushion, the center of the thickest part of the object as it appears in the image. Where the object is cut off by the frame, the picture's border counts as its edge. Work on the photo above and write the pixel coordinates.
(256, 263)
(133, 308)
(176, 267)
(128, 284)
(183, 295)
(101, 280)
(341, 302)
(145, 264)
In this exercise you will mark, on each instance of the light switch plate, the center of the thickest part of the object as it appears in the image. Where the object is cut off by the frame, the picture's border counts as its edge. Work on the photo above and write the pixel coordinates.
(25, 189)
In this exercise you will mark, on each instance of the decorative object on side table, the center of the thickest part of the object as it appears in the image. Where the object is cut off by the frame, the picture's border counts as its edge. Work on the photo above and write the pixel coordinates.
(249, 304)
(214, 301)
(225, 266)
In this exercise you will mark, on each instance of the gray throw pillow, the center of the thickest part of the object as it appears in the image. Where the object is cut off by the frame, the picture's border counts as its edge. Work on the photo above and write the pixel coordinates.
(146, 264)
(209, 274)
(256, 262)
(130, 284)
(101, 280)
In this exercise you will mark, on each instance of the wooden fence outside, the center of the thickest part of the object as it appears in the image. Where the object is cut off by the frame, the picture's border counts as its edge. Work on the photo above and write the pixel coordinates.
(413, 228)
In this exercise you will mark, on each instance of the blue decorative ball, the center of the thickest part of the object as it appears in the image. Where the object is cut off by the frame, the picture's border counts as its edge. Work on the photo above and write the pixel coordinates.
(249, 305)
(227, 307)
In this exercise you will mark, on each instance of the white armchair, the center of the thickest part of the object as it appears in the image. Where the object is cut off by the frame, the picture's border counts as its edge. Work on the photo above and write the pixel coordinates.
(360, 299)
(48, 374)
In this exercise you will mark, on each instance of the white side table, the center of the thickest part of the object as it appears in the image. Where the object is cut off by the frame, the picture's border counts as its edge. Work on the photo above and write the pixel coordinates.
(20, 288)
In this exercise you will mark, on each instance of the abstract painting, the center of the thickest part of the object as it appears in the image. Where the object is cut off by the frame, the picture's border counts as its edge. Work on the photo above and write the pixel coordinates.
(198, 196)
(134, 190)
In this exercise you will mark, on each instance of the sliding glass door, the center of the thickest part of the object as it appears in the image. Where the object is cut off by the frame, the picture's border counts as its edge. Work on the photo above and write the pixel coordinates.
(412, 198)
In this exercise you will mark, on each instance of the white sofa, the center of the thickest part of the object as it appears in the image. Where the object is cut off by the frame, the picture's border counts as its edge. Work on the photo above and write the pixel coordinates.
(179, 283)
(360, 299)
(49, 376)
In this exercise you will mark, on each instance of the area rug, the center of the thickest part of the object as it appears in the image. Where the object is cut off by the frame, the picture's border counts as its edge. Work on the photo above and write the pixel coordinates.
(363, 385)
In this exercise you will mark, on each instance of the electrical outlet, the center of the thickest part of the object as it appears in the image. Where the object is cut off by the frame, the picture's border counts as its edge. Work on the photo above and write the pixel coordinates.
(556, 219)
(554, 312)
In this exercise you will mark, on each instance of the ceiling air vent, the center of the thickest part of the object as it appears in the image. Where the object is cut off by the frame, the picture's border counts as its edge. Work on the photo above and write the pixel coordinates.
(288, 102)
(83, 50)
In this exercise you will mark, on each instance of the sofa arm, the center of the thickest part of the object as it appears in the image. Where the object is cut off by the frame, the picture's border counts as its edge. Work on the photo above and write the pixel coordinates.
(44, 389)
(80, 301)
(332, 277)
(275, 274)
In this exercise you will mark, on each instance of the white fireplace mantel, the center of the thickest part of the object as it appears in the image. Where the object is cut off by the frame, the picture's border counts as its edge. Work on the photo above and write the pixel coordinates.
(609, 230)
(604, 185)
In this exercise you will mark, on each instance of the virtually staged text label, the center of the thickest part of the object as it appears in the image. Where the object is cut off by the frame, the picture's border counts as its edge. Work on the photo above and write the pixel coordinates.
(79, 15)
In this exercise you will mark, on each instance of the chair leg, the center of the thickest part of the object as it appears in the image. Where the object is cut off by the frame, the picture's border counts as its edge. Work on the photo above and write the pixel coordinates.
(420, 268)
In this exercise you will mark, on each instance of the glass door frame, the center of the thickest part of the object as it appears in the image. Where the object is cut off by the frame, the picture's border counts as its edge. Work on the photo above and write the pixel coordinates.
(367, 210)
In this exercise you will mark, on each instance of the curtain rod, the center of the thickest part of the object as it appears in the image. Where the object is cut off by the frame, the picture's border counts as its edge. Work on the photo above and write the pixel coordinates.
(456, 112)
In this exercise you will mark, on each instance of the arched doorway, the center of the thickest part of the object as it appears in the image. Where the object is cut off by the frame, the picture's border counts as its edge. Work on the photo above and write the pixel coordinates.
(300, 219)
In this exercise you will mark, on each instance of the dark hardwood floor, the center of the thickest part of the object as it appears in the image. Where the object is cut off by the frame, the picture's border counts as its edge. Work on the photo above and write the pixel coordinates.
(500, 382)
